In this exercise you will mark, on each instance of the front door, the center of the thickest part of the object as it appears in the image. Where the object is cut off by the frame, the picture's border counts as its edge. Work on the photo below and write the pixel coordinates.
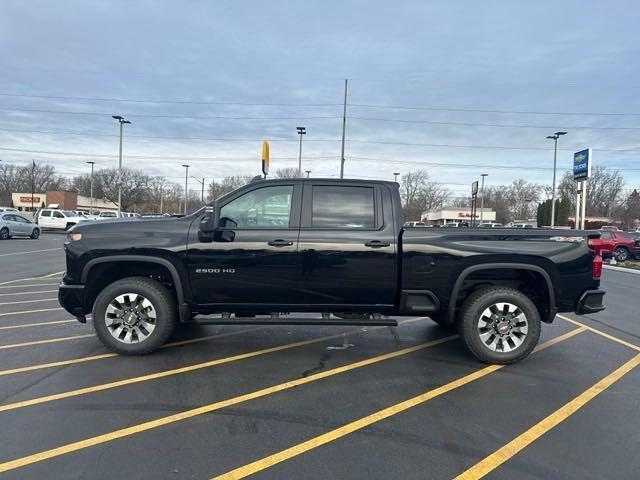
(253, 256)
(348, 246)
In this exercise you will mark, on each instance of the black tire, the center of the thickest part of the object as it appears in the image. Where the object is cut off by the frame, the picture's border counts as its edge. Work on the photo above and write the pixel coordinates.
(470, 330)
(35, 233)
(621, 254)
(442, 319)
(162, 302)
(4, 233)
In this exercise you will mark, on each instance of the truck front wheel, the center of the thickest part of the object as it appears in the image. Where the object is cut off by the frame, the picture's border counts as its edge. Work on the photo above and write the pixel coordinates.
(134, 316)
(499, 325)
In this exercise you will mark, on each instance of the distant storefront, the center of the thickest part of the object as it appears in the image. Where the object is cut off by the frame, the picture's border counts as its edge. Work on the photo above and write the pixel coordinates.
(449, 215)
(63, 199)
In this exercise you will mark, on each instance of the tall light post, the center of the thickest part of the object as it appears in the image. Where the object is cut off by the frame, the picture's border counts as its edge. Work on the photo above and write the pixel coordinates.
(121, 121)
(301, 131)
(201, 182)
(186, 179)
(308, 172)
(395, 176)
(482, 196)
(554, 137)
(91, 189)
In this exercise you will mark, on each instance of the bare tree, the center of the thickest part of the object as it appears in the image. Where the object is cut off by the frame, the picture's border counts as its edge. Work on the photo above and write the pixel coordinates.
(604, 190)
(227, 185)
(419, 195)
(287, 173)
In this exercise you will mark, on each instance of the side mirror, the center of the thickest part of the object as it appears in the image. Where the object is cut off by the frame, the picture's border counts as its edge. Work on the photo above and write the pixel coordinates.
(210, 221)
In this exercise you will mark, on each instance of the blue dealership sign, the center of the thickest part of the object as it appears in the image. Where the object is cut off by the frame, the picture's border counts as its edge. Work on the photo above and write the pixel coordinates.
(582, 164)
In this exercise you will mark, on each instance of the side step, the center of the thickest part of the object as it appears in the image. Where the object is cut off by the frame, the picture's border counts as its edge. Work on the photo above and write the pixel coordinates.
(277, 320)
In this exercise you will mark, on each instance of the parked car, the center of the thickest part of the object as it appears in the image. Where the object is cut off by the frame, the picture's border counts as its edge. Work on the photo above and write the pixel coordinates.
(620, 245)
(324, 245)
(8, 209)
(413, 224)
(521, 225)
(107, 215)
(490, 225)
(14, 225)
(456, 224)
(55, 219)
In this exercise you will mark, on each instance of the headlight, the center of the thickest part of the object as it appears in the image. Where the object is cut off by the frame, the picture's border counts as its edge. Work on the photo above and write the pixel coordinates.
(74, 237)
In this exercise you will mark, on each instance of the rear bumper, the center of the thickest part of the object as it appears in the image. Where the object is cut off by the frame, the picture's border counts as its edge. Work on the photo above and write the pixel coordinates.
(590, 302)
(71, 297)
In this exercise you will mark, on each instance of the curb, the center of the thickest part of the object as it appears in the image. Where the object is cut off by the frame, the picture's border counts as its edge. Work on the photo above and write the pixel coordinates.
(621, 269)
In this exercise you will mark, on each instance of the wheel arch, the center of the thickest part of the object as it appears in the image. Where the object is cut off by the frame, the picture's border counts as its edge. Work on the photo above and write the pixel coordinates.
(518, 267)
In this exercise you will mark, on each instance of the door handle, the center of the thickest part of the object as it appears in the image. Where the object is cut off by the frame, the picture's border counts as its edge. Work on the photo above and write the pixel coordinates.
(376, 244)
(280, 243)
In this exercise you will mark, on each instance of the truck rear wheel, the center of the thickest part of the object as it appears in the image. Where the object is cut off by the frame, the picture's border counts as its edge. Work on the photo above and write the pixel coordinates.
(499, 325)
(134, 316)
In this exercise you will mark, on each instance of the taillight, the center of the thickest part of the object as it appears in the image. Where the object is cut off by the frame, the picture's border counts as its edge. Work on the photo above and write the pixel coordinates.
(596, 266)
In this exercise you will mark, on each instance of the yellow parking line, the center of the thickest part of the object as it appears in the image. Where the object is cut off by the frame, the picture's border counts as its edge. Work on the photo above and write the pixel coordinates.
(26, 293)
(159, 422)
(363, 422)
(39, 324)
(29, 285)
(31, 311)
(42, 342)
(504, 453)
(601, 333)
(167, 373)
(30, 301)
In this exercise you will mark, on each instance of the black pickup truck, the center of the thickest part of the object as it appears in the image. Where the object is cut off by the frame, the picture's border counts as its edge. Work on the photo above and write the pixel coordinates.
(334, 247)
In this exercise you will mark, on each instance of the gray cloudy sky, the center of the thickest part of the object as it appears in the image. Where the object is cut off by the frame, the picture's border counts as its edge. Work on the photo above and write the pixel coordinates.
(222, 76)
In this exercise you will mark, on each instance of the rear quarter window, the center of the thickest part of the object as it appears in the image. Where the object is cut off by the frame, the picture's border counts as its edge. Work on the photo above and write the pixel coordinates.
(343, 207)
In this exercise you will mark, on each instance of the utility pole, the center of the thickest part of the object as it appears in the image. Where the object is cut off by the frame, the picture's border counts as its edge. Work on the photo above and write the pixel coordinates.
(344, 127)
(186, 179)
(202, 185)
(482, 196)
(301, 131)
(121, 121)
(554, 137)
(33, 172)
(161, 195)
(91, 189)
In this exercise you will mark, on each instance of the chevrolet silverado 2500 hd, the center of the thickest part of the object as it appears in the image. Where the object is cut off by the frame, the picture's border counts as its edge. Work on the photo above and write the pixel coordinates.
(325, 245)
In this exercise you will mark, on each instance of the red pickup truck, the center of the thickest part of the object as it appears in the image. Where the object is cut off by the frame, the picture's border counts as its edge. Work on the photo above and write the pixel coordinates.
(616, 244)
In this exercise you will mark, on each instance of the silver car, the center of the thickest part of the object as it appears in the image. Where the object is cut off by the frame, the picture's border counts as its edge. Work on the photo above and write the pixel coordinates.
(12, 224)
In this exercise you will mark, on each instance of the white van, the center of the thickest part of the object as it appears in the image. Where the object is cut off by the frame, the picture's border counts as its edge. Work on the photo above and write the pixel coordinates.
(58, 219)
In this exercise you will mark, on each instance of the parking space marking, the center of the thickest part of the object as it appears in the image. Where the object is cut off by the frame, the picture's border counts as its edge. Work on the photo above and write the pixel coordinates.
(42, 342)
(601, 333)
(375, 417)
(73, 361)
(39, 324)
(29, 285)
(31, 278)
(26, 293)
(31, 311)
(30, 301)
(167, 373)
(30, 251)
(512, 448)
(162, 421)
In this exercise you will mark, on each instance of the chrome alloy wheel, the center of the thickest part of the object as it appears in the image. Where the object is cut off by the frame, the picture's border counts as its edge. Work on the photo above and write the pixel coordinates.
(502, 327)
(130, 318)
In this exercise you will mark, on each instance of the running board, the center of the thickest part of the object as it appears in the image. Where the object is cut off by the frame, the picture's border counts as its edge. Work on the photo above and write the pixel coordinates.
(290, 321)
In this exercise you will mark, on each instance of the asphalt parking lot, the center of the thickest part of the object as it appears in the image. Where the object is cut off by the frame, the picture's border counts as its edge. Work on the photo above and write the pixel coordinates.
(309, 402)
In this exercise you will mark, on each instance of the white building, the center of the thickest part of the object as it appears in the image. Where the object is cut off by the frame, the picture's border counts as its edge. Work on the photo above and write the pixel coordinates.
(448, 215)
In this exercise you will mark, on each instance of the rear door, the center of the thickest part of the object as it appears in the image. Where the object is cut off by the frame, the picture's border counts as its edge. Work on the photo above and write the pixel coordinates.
(347, 245)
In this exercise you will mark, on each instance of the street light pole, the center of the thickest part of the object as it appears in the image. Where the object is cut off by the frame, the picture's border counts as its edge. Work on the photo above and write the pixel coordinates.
(301, 131)
(91, 189)
(554, 137)
(201, 182)
(395, 176)
(344, 129)
(482, 196)
(120, 121)
(186, 179)
(308, 172)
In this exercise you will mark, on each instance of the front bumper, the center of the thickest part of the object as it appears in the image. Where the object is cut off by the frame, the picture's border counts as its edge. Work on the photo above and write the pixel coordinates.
(590, 302)
(71, 297)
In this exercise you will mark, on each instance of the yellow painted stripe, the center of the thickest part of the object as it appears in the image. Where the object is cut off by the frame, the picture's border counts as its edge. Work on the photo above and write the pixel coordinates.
(29, 285)
(31, 311)
(39, 324)
(601, 333)
(42, 342)
(12, 294)
(73, 361)
(363, 422)
(165, 373)
(142, 427)
(30, 301)
(512, 448)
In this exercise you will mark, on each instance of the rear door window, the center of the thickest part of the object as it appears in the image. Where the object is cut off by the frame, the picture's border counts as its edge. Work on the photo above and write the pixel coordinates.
(45, 213)
(336, 206)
